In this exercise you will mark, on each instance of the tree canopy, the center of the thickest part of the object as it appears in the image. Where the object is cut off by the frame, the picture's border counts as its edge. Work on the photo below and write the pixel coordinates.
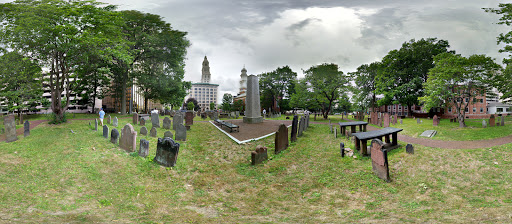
(277, 85)
(365, 89)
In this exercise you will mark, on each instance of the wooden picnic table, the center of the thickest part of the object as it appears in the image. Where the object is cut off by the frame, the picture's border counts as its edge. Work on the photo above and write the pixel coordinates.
(362, 137)
(353, 124)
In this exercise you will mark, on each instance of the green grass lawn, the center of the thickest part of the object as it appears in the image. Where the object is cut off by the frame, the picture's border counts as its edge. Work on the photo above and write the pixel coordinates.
(57, 176)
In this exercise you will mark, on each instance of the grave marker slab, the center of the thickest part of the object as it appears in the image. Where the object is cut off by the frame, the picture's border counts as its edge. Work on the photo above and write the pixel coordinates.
(168, 134)
(259, 155)
(143, 148)
(167, 123)
(342, 149)
(386, 120)
(143, 131)
(135, 118)
(401, 121)
(435, 121)
(152, 133)
(155, 120)
(96, 124)
(128, 138)
(503, 120)
(177, 119)
(181, 132)
(167, 151)
(492, 121)
(10, 128)
(428, 133)
(380, 160)
(108, 119)
(189, 118)
(142, 121)
(105, 131)
(114, 136)
(301, 127)
(281, 139)
(335, 132)
(418, 121)
(293, 135)
(115, 123)
(484, 124)
(26, 129)
(409, 149)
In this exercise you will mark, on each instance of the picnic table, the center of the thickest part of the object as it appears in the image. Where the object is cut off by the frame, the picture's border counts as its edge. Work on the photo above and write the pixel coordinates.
(362, 137)
(232, 127)
(353, 124)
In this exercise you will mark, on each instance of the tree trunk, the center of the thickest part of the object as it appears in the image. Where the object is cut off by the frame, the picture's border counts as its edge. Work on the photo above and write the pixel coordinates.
(123, 96)
(145, 104)
(462, 124)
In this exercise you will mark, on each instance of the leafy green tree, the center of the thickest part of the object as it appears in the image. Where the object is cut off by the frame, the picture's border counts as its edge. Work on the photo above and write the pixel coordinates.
(457, 81)
(304, 97)
(365, 87)
(405, 70)
(277, 85)
(239, 105)
(227, 99)
(56, 33)
(195, 104)
(21, 86)
(212, 106)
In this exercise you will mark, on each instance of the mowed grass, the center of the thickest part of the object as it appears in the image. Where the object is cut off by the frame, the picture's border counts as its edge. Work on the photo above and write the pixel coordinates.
(57, 176)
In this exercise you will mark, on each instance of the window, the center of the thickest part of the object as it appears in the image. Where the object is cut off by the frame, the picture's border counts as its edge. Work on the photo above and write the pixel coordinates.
(499, 109)
(389, 108)
(399, 107)
(467, 99)
(474, 109)
(449, 110)
(481, 110)
(467, 110)
(458, 100)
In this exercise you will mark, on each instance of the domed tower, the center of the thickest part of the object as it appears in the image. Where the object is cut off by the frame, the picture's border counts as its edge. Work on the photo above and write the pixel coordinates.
(243, 81)
(205, 78)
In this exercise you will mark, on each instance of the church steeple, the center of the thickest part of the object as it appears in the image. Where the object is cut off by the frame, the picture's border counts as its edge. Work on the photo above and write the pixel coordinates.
(243, 80)
(205, 78)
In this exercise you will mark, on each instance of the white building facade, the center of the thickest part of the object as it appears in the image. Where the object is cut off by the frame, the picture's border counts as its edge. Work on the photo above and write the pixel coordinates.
(204, 92)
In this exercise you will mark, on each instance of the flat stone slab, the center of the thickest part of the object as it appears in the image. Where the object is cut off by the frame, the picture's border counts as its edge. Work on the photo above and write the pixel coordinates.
(376, 133)
(428, 133)
(352, 123)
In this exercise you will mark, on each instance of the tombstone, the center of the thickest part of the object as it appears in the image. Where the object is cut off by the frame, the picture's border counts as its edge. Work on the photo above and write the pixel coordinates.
(401, 121)
(142, 121)
(259, 155)
(418, 121)
(74, 115)
(128, 138)
(109, 119)
(105, 131)
(484, 124)
(348, 133)
(189, 118)
(26, 129)
(152, 133)
(167, 123)
(114, 136)
(409, 149)
(177, 119)
(330, 128)
(301, 127)
(342, 149)
(491, 121)
(155, 120)
(386, 120)
(435, 121)
(168, 134)
(10, 128)
(143, 131)
(143, 148)
(381, 121)
(380, 160)
(307, 120)
(237, 114)
(293, 135)
(135, 118)
(167, 151)
(115, 123)
(502, 120)
(96, 124)
(335, 132)
(252, 101)
(281, 140)
(395, 119)
(181, 133)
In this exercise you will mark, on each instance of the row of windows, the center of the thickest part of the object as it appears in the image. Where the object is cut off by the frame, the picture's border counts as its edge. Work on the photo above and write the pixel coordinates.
(467, 110)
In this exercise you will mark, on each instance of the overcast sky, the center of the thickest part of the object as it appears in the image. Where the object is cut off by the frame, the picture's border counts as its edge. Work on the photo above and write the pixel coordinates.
(266, 34)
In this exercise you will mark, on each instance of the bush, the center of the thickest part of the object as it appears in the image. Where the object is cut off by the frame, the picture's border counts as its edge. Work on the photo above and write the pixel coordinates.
(52, 118)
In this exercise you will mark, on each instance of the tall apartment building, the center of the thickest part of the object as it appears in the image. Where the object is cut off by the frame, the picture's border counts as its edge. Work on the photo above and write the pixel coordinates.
(204, 92)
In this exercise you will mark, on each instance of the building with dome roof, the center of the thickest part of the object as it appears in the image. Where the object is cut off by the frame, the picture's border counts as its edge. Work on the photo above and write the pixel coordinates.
(243, 86)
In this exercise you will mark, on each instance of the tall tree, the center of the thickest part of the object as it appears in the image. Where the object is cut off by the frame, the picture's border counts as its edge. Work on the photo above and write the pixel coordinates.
(55, 33)
(227, 100)
(457, 81)
(365, 89)
(194, 102)
(405, 70)
(277, 85)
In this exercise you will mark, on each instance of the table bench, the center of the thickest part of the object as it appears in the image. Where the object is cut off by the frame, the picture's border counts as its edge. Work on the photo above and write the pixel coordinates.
(232, 127)
(362, 137)
(362, 126)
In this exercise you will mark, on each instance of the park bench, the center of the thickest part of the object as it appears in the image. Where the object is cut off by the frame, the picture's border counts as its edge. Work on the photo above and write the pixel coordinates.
(362, 126)
(360, 138)
(232, 127)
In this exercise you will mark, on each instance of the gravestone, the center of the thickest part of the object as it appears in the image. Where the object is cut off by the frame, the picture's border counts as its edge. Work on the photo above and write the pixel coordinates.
(491, 121)
(342, 149)
(498, 121)
(428, 133)
(142, 121)
(502, 120)
(484, 124)
(237, 114)
(152, 133)
(281, 140)
(26, 129)
(189, 118)
(105, 131)
(380, 160)
(168, 134)
(418, 121)
(167, 151)
(143, 131)
(109, 119)
(96, 124)
(177, 119)
(155, 120)
(301, 127)
(143, 148)
(409, 149)
(167, 123)
(335, 132)
(128, 138)
(395, 119)
(330, 128)
(293, 135)
(401, 121)
(386, 120)
(252, 101)
(435, 121)
(114, 136)
(135, 118)
(259, 155)
(10, 128)
(181, 132)
(307, 120)
(116, 122)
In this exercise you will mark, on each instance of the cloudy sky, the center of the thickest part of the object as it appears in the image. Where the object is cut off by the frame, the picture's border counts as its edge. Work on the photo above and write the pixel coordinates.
(266, 34)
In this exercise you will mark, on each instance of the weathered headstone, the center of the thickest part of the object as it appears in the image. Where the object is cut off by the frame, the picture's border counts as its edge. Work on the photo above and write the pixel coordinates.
(342, 149)
(259, 155)
(498, 121)
(168, 134)
(114, 136)
(189, 118)
(307, 120)
(409, 149)
(503, 120)
(128, 138)
(135, 118)
(386, 120)
(491, 121)
(177, 119)
(252, 101)
(181, 132)
(281, 140)
(26, 129)
(301, 126)
(435, 121)
(167, 151)
(142, 121)
(401, 121)
(155, 120)
(380, 160)
(330, 128)
(115, 123)
(143, 148)
(109, 119)
(105, 131)
(10, 128)
(152, 133)
(293, 135)
(96, 124)
(167, 123)
(335, 132)
(418, 121)
(395, 119)
(143, 131)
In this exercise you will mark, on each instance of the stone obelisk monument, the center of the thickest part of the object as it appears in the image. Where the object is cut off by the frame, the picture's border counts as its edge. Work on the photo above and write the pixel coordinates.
(252, 102)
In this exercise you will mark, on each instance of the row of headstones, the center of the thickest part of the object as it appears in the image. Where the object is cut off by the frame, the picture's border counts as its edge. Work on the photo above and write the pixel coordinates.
(492, 121)
(234, 114)
(177, 119)
(281, 139)
(383, 119)
(181, 131)
(10, 129)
